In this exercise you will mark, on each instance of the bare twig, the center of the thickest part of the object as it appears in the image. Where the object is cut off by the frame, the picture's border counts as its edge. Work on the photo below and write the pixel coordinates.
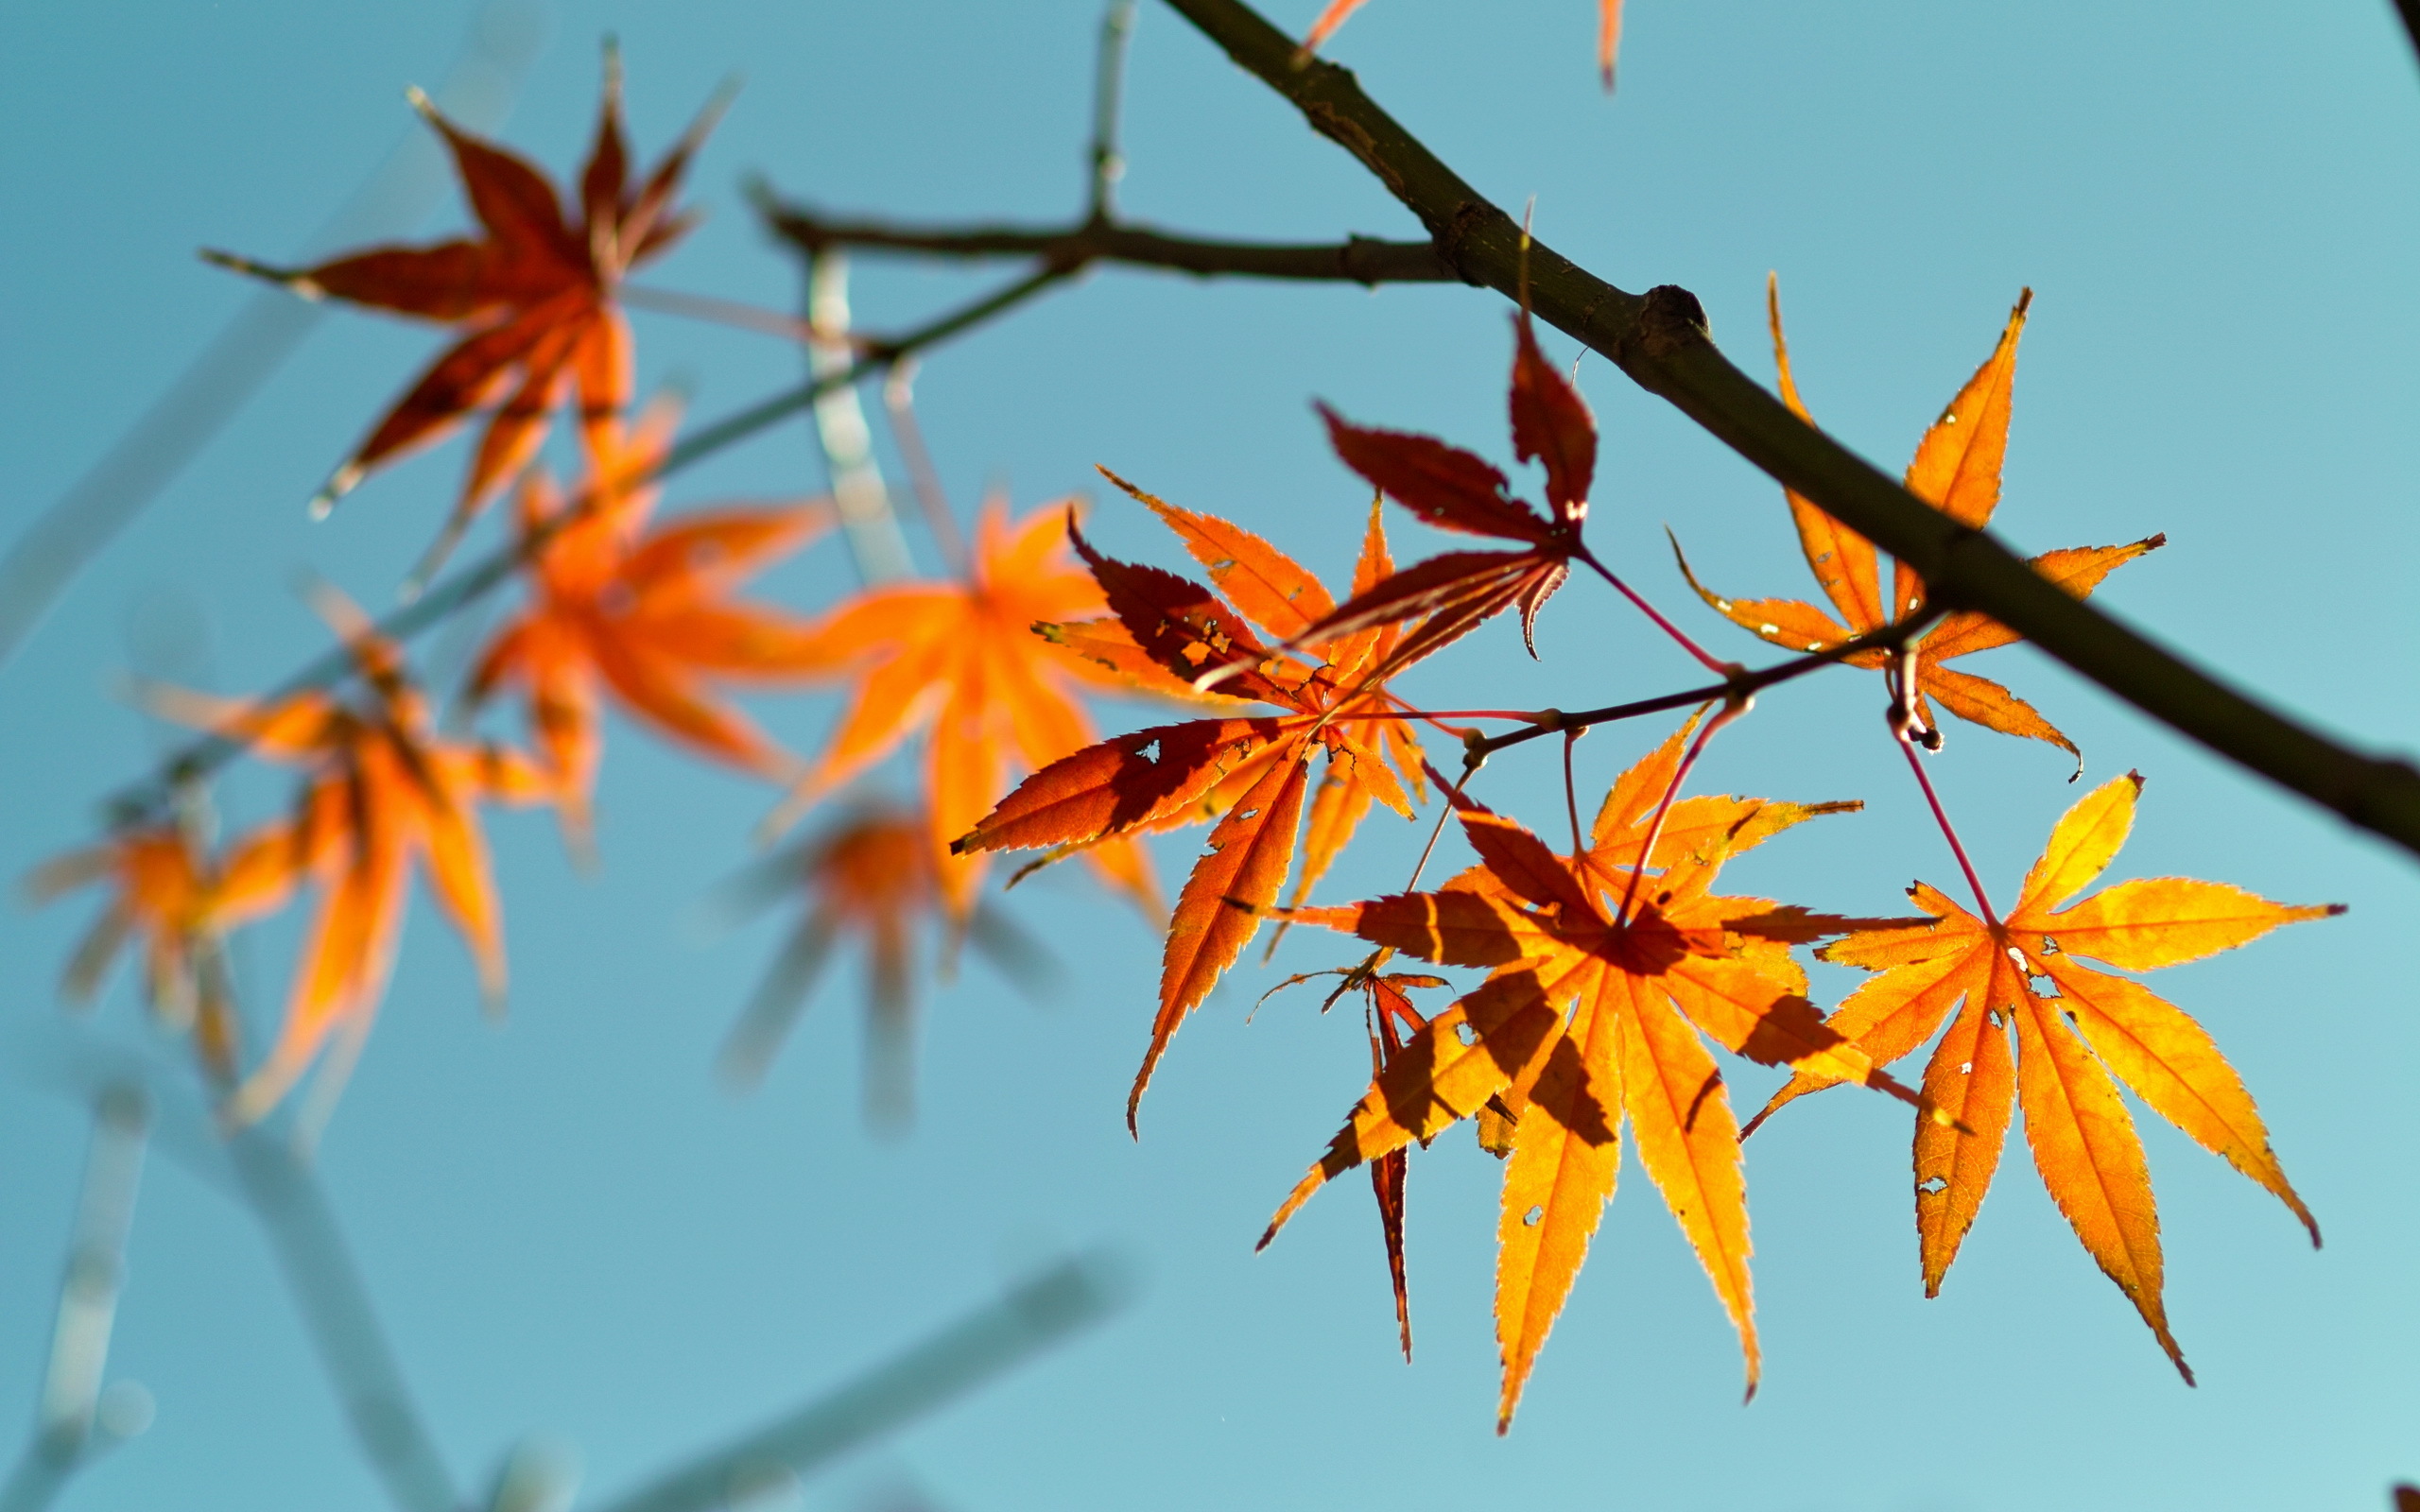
(858, 493)
(1033, 1314)
(1117, 30)
(334, 1305)
(2409, 11)
(1743, 684)
(71, 1426)
(1660, 340)
(899, 400)
(1364, 260)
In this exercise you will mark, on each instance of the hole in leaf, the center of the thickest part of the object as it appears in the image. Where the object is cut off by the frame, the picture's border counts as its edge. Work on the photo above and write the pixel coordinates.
(1932, 1185)
(1466, 1034)
(1530, 1218)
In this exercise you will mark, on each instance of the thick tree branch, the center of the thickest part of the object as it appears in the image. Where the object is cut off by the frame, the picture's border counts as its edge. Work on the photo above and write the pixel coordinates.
(1660, 340)
(1356, 260)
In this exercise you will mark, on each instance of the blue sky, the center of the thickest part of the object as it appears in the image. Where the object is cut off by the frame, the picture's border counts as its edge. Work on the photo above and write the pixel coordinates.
(571, 1229)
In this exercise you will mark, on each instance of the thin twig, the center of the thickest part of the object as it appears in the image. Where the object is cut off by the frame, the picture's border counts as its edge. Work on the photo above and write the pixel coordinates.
(720, 312)
(1364, 260)
(858, 494)
(1660, 340)
(151, 795)
(1032, 1315)
(899, 402)
(343, 1328)
(1117, 31)
(71, 1427)
(1743, 683)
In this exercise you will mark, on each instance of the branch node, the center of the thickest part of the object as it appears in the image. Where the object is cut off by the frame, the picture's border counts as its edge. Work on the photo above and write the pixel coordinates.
(1669, 321)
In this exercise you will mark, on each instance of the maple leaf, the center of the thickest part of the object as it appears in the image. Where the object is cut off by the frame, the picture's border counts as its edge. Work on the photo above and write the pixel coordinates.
(1957, 470)
(1251, 770)
(381, 792)
(1454, 489)
(966, 659)
(180, 904)
(1591, 1019)
(2070, 1040)
(534, 297)
(1608, 31)
(644, 615)
(870, 874)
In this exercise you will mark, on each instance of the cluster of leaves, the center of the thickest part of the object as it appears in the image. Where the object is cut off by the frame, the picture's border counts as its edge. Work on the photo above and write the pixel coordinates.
(1608, 967)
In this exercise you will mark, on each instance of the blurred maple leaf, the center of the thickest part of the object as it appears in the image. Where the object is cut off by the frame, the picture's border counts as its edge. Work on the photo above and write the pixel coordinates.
(869, 874)
(644, 615)
(977, 660)
(382, 791)
(1590, 1018)
(1608, 31)
(1253, 770)
(1957, 470)
(534, 297)
(180, 904)
(2070, 1035)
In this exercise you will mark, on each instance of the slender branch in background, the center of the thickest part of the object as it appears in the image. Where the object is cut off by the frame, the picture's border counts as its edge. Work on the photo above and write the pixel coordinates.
(343, 1328)
(1117, 31)
(152, 794)
(858, 493)
(1661, 342)
(718, 312)
(1033, 1314)
(2409, 11)
(76, 1423)
(899, 400)
(478, 93)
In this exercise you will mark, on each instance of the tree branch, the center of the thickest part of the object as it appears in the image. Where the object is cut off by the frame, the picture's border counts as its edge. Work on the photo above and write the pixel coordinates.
(1660, 340)
(1364, 260)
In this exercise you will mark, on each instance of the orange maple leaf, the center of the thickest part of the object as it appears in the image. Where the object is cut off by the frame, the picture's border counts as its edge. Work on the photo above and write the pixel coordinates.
(1591, 1017)
(1253, 770)
(646, 616)
(870, 874)
(180, 904)
(2070, 1038)
(1608, 31)
(1457, 490)
(1957, 470)
(534, 297)
(382, 791)
(965, 658)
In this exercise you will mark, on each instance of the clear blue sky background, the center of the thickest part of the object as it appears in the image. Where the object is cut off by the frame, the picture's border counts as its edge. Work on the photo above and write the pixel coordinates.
(571, 1229)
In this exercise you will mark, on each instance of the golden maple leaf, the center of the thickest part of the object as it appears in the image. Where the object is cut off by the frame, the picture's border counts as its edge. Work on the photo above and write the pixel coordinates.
(2074, 1029)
